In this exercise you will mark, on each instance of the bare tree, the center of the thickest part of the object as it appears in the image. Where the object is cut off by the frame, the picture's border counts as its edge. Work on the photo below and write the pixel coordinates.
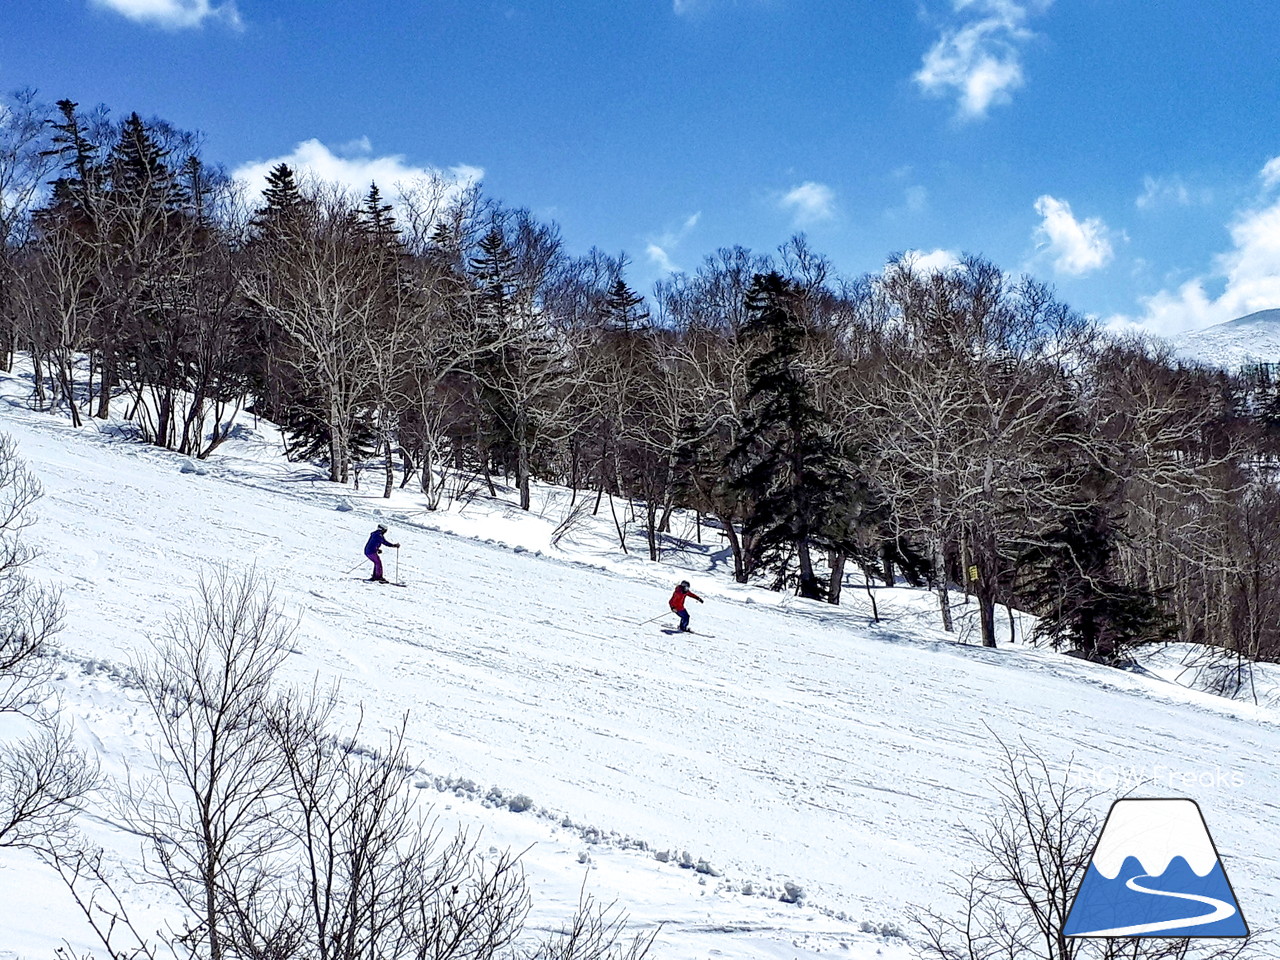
(970, 411)
(207, 813)
(595, 932)
(320, 284)
(24, 167)
(43, 773)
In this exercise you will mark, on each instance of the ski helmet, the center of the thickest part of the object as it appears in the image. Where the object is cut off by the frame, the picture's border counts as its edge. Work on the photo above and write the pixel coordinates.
(684, 584)
(382, 528)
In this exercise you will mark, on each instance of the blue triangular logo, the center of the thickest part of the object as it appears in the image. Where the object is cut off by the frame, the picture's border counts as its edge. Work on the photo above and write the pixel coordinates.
(1155, 873)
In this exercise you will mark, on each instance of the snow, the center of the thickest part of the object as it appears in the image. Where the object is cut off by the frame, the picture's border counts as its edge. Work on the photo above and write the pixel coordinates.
(789, 743)
(1250, 339)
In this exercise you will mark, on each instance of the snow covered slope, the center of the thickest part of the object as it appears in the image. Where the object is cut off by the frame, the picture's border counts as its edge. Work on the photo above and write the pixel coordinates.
(788, 742)
(1249, 339)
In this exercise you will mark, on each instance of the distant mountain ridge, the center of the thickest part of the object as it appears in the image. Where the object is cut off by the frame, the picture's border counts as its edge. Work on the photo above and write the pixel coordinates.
(1250, 339)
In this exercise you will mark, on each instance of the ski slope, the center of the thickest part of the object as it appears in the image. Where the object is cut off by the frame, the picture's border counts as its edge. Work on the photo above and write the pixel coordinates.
(787, 742)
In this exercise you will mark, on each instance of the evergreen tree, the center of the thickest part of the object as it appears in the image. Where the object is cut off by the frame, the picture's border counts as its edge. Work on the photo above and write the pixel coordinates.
(138, 173)
(784, 459)
(624, 310)
(74, 196)
(378, 220)
(493, 273)
(493, 270)
(1070, 579)
(283, 209)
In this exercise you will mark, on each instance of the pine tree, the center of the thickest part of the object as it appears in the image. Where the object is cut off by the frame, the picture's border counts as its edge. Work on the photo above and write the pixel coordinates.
(279, 227)
(138, 173)
(74, 196)
(1070, 578)
(493, 270)
(283, 209)
(493, 275)
(784, 459)
(624, 309)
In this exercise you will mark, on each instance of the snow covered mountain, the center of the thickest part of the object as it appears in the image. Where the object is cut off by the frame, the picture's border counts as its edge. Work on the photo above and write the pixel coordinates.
(788, 747)
(1250, 339)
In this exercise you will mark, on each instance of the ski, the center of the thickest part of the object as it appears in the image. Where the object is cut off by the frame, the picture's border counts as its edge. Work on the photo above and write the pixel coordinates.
(676, 631)
(389, 583)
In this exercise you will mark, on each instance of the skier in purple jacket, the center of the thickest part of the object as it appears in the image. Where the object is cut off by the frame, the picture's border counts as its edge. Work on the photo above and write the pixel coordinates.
(377, 540)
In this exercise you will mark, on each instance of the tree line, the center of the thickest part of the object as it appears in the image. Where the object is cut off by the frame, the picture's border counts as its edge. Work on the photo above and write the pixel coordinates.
(961, 428)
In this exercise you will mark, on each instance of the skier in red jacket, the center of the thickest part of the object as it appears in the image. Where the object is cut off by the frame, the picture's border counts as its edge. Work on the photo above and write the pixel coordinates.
(677, 602)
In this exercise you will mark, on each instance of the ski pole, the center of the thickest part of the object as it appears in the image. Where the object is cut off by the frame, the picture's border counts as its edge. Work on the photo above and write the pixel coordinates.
(658, 617)
(355, 568)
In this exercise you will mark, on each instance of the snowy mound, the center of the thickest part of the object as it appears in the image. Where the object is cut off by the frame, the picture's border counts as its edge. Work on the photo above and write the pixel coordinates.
(1236, 343)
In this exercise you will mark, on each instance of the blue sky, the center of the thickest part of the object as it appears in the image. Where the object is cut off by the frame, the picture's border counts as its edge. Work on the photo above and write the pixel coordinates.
(1126, 151)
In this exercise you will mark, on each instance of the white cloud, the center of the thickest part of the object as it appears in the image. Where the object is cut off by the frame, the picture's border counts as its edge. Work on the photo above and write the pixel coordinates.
(1271, 172)
(690, 7)
(660, 249)
(1163, 191)
(980, 61)
(174, 14)
(932, 261)
(353, 167)
(660, 258)
(809, 203)
(1078, 247)
(1249, 274)
(915, 201)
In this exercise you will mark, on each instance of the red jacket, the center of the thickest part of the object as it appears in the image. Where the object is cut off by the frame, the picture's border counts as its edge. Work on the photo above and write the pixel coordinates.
(677, 598)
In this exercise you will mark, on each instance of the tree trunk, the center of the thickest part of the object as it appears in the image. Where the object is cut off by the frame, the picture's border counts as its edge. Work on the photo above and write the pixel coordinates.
(983, 550)
(886, 555)
(809, 588)
(389, 465)
(940, 577)
(735, 545)
(335, 442)
(106, 383)
(837, 561)
(622, 537)
(871, 595)
(651, 518)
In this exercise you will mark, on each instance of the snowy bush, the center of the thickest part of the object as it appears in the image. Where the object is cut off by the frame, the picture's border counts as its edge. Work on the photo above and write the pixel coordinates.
(519, 803)
(888, 930)
(791, 893)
